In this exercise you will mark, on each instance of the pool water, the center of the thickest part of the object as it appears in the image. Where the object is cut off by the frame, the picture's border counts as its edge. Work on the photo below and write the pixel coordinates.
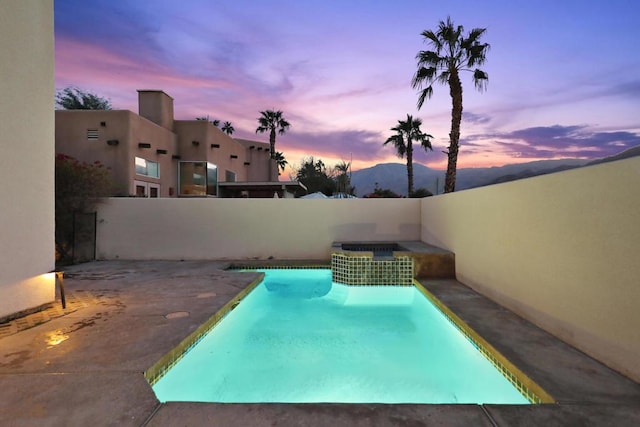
(298, 337)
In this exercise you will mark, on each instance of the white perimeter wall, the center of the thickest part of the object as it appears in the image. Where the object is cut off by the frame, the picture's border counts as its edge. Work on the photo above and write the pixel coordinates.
(562, 250)
(26, 161)
(131, 228)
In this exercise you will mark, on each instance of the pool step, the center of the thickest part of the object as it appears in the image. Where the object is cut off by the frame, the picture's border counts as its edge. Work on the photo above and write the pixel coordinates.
(429, 262)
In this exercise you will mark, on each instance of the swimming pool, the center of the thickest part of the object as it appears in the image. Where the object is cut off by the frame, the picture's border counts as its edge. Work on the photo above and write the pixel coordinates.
(299, 337)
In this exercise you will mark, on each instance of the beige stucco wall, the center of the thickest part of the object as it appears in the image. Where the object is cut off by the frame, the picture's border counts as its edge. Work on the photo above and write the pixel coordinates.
(561, 250)
(129, 129)
(156, 106)
(142, 130)
(262, 166)
(207, 135)
(247, 228)
(26, 163)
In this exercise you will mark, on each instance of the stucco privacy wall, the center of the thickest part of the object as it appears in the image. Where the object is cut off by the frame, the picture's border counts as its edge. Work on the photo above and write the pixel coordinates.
(561, 250)
(26, 163)
(130, 228)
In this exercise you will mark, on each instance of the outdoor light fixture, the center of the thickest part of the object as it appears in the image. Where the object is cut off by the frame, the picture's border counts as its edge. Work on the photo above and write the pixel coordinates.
(196, 143)
(59, 281)
(161, 151)
(215, 145)
(144, 145)
(113, 142)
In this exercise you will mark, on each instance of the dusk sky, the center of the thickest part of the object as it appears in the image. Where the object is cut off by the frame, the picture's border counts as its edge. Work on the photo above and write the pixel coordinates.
(564, 76)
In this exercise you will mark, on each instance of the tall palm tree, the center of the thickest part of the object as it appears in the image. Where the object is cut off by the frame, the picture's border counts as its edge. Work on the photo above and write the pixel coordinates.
(407, 132)
(227, 128)
(281, 161)
(452, 52)
(272, 121)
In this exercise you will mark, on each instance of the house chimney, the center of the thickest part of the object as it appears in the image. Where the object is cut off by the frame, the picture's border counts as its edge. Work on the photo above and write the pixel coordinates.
(156, 106)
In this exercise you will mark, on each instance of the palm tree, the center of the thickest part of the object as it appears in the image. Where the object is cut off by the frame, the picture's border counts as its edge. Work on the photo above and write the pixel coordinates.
(343, 180)
(272, 121)
(408, 132)
(227, 128)
(281, 161)
(452, 53)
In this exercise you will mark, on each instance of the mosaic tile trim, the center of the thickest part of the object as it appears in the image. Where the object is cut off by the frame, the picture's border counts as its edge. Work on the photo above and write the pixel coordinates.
(166, 362)
(525, 385)
(362, 269)
(254, 267)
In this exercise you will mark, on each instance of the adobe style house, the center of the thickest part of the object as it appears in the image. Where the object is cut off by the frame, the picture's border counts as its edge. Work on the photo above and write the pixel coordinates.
(150, 154)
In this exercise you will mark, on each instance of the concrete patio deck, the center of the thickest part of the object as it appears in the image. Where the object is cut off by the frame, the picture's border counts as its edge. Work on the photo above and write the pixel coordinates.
(85, 366)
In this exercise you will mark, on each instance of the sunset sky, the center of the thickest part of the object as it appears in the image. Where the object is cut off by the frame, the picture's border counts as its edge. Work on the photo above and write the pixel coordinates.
(564, 76)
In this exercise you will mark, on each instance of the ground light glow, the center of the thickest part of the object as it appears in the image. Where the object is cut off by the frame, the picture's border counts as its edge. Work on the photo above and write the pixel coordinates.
(298, 337)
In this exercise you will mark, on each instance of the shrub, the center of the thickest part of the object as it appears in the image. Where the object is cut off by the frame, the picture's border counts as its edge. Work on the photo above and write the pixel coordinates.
(78, 188)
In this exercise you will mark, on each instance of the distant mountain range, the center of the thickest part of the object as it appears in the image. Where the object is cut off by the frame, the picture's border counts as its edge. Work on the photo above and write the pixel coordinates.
(393, 176)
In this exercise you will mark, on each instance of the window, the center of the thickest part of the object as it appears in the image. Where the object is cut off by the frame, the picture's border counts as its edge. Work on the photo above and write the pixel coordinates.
(92, 134)
(197, 179)
(230, 176)
(147, 168)
(146, 189)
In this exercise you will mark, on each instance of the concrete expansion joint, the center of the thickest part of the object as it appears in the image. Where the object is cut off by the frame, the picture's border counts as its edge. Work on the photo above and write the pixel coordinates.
(488, 415)
(152, 414)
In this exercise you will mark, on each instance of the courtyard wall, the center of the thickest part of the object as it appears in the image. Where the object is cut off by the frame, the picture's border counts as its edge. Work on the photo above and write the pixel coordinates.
(131, 228)
(561, 250)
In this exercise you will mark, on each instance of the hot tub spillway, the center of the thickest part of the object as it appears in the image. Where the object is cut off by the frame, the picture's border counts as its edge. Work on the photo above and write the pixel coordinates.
(371, 264)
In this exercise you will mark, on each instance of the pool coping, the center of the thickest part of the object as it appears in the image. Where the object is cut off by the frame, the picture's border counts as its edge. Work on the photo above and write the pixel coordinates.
(534, 393)
(166, 362)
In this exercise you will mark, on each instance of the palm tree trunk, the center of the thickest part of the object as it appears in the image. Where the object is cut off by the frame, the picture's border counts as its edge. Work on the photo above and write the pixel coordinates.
(272, 143)
(455, 90)
(272, 153)
(409, 168)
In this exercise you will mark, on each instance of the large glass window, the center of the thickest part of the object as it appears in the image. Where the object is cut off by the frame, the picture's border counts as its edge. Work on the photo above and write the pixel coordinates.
(147, 168)
(198, 179)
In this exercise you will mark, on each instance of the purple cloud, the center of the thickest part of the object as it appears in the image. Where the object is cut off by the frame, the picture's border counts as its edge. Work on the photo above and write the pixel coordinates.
(475, 118)
(562, 141)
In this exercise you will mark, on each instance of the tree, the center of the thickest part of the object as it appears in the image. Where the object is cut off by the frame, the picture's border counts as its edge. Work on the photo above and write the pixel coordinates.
(215, 122)
(281, 161)
(420, 193)
(227, 128)
(407, 132)
(342, 178)
(381, 193)
(452, 52)
(78, 187)
(72, 98)
(314, 175)
(272, 122)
